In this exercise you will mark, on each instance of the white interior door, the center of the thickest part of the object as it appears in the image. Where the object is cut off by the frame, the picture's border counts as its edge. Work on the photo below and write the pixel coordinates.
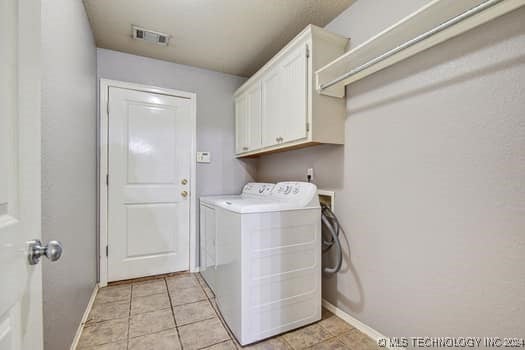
(21, 291)
(150, 138)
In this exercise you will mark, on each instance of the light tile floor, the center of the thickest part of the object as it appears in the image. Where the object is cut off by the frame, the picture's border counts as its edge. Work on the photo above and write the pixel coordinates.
(179, 312)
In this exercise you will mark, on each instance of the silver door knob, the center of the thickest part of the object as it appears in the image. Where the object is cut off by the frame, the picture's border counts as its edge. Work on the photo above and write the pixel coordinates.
(184, 181)
(52, 251)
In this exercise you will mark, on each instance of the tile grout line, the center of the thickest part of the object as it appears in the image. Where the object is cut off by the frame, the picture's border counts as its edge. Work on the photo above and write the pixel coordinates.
(228, 331)
(209, 318)
(218, 317)
(95, 323)
(192, 302)
(286, 341)
(150, 295)
(151, 333)
(173, 314)
(207, 347)
(336, 336)
(193, 322)
(129, 315)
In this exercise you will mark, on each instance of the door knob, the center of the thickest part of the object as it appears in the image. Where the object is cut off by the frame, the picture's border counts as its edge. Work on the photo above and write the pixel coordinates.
(184, 194)
(184, 181)
(52, 251)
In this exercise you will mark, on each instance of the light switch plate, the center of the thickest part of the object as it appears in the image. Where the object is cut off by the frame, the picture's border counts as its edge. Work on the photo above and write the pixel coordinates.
(203, 157)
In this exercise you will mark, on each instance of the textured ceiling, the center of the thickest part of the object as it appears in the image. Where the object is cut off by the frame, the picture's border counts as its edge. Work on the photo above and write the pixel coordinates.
(231, 36)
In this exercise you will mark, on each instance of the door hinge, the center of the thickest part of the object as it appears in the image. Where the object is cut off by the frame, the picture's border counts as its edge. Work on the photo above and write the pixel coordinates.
(307, 51)
(107, 179)
(307, 127)
(107, 251)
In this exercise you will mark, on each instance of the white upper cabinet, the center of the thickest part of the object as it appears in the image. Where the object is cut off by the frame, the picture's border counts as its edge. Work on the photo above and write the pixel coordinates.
(254, 116)
(278, 109)
(241, 124)
(272, 111)
(248, 120)
(295, 95)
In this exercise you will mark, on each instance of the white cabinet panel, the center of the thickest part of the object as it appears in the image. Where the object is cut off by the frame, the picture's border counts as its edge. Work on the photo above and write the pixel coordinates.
(248, 120)
(278, 109)
(151, 145)
(295, 89)
(272, 111)
(284, 107)
(241, 124)
(254, 117)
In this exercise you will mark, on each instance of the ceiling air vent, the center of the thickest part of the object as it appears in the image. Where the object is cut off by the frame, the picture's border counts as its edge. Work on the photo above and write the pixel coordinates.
(151, 36)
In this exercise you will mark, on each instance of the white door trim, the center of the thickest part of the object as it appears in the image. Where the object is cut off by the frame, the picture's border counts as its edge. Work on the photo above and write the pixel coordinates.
(105, 84)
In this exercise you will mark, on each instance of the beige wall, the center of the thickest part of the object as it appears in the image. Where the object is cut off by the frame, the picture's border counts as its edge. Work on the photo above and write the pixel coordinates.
(430, 182)
(68, 166)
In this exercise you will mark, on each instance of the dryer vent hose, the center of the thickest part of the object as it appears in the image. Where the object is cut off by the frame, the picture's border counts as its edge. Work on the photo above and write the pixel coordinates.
(332, 224)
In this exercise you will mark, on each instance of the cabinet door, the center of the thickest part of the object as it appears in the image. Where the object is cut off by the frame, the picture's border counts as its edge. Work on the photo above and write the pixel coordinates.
(253, 96)
(295, 95)
(272, 112)
(241, 124)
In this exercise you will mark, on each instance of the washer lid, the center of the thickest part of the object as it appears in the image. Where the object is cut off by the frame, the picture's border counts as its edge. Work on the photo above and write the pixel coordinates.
(250, 190)
(213, 200)
(284, 196)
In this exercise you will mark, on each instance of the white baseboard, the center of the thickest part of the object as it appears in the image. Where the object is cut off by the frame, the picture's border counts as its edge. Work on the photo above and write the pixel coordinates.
(369, 331)
(84, 318)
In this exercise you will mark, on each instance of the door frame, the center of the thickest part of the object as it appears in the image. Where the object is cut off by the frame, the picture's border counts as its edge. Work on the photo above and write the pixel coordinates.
(102, 162)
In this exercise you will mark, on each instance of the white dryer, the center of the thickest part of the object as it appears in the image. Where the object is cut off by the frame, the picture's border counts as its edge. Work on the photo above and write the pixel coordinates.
(268, 262)
(207, 225)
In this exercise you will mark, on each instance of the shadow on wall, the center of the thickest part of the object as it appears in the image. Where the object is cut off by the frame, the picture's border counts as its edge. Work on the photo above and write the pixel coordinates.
(326, 160)
(437, 85)
(434, 59)
(357, 303)
(249, 166)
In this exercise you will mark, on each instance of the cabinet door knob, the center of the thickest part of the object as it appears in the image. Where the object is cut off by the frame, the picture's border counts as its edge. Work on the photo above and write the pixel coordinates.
(277, 139)
(184, 194)
(245, 148)
(184, 181)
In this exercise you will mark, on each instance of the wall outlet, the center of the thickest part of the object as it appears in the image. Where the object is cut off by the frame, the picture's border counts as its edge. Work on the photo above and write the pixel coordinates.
(203, 157)
(310, 173)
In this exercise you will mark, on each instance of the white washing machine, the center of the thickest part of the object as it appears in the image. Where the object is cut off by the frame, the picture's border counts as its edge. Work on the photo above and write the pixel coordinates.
(268, 262)
(207, 227)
